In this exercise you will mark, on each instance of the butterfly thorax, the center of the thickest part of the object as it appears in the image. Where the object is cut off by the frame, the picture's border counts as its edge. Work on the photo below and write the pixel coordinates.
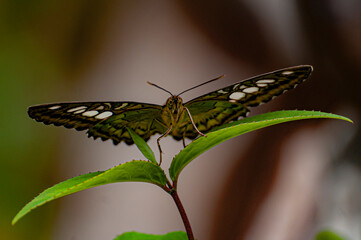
(174, 108)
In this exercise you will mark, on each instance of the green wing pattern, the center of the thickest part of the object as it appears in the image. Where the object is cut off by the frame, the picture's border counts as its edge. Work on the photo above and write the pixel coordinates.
(206, 115)
(106, 120)
(143, 121)
(232, 102)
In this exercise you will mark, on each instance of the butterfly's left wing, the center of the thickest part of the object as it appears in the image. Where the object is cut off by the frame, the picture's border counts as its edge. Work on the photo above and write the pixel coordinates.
(232, 102)
(107, 120)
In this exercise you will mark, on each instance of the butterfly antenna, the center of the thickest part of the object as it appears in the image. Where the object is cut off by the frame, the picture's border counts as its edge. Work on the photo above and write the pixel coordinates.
(202, 84)
(155, 85)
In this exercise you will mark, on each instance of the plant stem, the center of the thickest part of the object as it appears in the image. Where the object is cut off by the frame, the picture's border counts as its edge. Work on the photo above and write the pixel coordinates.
(183, 215)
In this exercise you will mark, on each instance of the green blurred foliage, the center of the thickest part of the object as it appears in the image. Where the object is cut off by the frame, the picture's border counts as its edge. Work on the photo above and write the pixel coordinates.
(328, 235)
(29, 72)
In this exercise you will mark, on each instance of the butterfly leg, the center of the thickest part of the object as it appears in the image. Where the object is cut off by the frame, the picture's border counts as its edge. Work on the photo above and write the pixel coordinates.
(158, 140)
(184, 139)
(193, 124)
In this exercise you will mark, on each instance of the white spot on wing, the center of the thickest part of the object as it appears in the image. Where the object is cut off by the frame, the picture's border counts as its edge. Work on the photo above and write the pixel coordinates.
(77, 108)
(100, 108)
(90, 113)
(266, 81)
(55, 107)
(121, 106)
(237, 95)
(250, 90)
(236, 86)
(287, 72)
(104, 115)
(221, 91)
(80, 111)
(262, 85)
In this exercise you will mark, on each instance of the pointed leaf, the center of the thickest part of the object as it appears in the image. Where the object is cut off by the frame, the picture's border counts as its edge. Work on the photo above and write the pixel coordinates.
(134, 171)
(143, 236)
(143, 146)
(237, 128)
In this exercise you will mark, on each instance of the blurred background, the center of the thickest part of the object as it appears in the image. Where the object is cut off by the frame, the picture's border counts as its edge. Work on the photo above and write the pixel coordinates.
(280, 183)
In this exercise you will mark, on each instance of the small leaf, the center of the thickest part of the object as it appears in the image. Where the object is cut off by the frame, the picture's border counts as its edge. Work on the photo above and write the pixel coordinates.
(134, 171)
(234, 129)
(328, 235)
(143, 236)
(143, 146)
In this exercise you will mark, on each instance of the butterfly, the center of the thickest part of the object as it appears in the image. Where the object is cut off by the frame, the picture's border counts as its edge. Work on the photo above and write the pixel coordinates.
(110, 120)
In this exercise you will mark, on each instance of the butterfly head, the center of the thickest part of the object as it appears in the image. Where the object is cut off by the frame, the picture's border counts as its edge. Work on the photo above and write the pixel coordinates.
(175, 105)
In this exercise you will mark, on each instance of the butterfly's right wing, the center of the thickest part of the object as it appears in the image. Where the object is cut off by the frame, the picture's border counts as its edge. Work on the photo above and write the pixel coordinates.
(107, 120)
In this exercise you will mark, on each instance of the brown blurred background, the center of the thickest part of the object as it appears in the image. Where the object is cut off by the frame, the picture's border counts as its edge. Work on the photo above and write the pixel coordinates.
(280, 183)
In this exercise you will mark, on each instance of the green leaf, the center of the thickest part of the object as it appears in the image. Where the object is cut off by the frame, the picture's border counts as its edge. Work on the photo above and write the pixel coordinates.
(143, 236)
(134, 171)
(234, 129)
(143, 146)
(328, 235)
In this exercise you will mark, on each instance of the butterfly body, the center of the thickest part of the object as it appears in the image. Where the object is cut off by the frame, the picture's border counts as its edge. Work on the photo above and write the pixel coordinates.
(110, 120)
(172, 111)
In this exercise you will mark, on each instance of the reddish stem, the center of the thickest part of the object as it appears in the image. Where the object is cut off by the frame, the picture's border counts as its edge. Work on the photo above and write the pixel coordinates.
(183, 214)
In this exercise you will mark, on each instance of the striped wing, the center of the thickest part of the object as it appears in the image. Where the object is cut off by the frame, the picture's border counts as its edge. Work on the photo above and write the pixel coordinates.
(206, 115)
(107, 120)
(232, 102)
